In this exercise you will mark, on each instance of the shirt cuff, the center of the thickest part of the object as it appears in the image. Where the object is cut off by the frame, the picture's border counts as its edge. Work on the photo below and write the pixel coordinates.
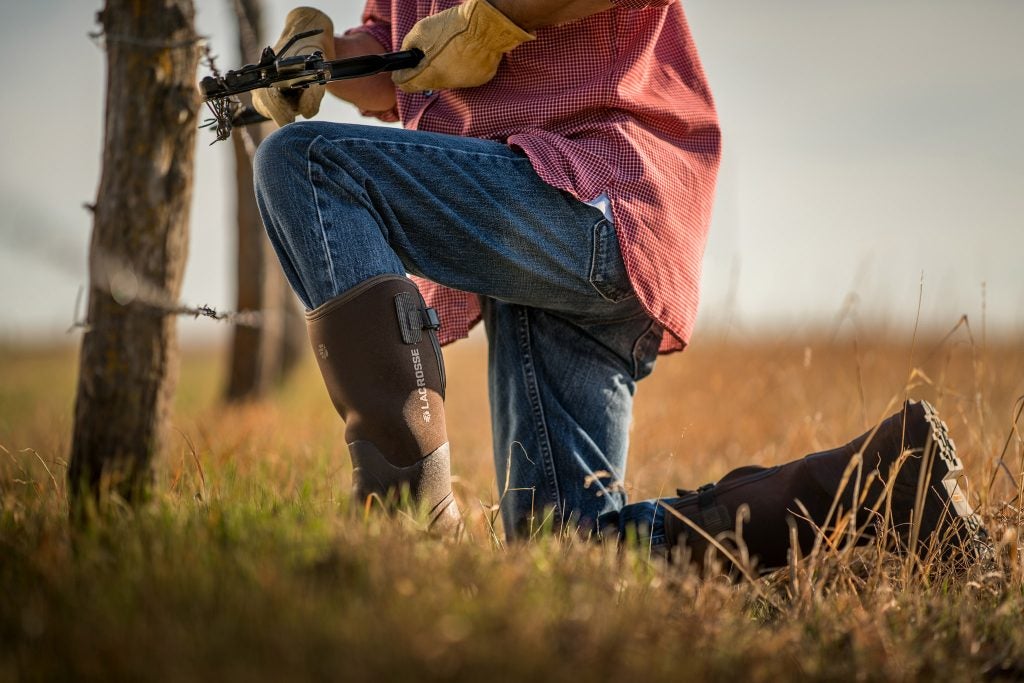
(642, 4)
(379, 31)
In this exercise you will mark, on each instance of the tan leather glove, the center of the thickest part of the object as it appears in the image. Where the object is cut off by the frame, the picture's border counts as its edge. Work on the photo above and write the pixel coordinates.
(278, 102)
(462, 47)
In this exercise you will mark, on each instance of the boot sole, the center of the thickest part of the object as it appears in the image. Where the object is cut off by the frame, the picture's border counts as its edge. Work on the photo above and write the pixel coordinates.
(944, 482)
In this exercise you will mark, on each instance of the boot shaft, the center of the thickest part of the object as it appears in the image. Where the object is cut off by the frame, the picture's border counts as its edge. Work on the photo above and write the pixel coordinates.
(377, 349)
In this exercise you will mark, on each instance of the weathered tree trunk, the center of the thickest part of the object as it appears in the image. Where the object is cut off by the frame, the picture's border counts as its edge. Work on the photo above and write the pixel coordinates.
(260, 357)
(128, 362)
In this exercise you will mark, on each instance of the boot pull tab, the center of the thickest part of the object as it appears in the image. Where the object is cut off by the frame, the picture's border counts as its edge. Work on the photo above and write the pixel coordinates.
(713, 519)
(414, 317)
(706, 496)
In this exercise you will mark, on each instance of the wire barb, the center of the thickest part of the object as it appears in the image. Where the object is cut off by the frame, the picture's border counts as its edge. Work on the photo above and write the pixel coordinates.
(242, 318)
(223, 108)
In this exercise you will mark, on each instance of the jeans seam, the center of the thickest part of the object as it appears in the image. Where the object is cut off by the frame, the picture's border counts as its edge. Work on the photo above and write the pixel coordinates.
(446, 150)
(288, 267)
(319, 214)
(536, 407)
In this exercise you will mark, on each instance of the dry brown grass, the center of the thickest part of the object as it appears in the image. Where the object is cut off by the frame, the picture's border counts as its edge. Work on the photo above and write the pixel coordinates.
(247, 564)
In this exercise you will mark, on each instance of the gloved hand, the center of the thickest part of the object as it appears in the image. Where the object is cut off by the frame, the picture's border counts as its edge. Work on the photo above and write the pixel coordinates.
(280, 103)
(462, 47)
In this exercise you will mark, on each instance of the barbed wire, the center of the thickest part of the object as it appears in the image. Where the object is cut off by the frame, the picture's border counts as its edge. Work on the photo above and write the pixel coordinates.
(110, 274)
(222, 108)
(100, 38)
(113, 276)
(252, 319)
(210, 60)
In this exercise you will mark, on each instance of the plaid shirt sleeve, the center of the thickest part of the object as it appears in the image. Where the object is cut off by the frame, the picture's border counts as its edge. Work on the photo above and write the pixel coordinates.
(377, 23)
(641, 4)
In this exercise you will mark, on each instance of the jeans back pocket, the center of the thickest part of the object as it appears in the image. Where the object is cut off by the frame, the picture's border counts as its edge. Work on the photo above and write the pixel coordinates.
(607, 270)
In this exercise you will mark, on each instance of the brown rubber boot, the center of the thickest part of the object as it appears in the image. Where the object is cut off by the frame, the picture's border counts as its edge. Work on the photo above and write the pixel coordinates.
(771, 494)
(378, 352)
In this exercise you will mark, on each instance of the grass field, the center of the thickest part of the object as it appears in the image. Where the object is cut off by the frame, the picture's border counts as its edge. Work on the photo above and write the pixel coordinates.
(249, 564)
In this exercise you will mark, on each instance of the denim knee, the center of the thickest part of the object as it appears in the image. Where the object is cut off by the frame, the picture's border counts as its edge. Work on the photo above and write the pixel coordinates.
(316, 215)
(281, 155)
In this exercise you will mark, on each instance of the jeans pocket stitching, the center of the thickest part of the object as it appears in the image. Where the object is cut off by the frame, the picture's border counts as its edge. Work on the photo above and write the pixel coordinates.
(640, 348)
(600, 265)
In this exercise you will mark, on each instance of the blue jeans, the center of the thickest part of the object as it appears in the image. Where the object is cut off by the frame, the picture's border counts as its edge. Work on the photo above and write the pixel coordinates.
(568, 339)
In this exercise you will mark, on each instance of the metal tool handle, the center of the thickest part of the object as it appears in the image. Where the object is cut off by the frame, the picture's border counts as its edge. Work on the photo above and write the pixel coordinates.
(368, 65)
(218, 90)
(341, 69)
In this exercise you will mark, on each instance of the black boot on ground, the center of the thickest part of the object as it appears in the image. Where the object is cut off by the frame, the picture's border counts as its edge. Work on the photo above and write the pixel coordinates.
(925, 503)
(378, 353)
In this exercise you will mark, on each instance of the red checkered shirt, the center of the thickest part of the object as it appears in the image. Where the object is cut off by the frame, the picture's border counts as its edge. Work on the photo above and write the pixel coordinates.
(616, 104)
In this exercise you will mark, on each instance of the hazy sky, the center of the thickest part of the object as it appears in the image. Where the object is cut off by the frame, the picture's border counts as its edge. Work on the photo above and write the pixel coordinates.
(866, 143)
